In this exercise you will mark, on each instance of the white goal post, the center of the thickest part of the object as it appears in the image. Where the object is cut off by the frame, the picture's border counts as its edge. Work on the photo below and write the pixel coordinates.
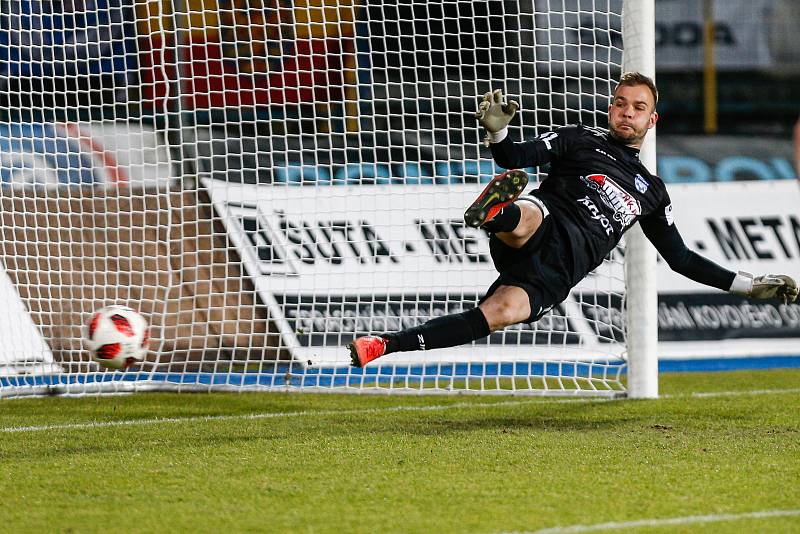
(638, 28)
(265, 180)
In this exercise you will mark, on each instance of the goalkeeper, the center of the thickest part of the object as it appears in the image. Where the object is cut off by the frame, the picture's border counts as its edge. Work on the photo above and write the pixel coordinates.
(546, 242)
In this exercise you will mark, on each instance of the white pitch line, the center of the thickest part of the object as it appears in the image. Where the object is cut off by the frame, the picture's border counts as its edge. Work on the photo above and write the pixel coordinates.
(358, 411)
(736, 393)
(688, 520)
(324, 413)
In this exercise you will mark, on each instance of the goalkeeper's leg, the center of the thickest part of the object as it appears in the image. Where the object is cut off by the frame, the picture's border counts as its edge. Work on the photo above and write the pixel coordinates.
(506, 306)
(500, 210)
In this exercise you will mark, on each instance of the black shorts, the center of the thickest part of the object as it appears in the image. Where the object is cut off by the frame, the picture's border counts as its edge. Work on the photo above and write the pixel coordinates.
(544, 267)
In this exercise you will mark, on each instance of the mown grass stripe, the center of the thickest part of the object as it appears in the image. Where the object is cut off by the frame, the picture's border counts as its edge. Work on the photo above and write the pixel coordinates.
(364, 411)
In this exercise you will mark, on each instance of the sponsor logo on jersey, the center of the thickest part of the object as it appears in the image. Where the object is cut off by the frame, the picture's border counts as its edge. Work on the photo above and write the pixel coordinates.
(641, 184)
(606, 154)
(668, 215)
(596, 214)
(626, 207)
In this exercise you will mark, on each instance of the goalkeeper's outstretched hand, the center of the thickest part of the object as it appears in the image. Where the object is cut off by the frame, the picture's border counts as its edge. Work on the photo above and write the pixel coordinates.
(771, 286)
(494, 114)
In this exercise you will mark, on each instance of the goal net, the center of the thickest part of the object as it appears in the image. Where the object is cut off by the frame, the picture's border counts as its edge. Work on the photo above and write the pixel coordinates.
(266, 180)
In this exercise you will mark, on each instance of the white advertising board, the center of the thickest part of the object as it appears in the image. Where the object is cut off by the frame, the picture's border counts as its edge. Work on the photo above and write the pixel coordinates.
(749, 226)
(337, 261)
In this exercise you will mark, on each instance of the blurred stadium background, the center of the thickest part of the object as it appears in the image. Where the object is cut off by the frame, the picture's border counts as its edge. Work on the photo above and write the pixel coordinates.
(252, 64)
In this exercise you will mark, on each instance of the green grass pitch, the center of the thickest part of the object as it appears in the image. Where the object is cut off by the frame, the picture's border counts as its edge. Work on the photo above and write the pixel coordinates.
(714, 445)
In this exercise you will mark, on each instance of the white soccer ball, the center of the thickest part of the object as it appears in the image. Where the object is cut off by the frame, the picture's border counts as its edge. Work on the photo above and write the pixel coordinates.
(117, 337)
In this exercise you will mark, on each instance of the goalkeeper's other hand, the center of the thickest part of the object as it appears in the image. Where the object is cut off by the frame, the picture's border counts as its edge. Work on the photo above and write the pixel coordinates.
(770, 286)
(493, 113)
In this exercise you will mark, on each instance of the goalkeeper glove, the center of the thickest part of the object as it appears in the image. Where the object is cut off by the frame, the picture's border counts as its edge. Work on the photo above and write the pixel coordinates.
(494, 115)
(768, 286)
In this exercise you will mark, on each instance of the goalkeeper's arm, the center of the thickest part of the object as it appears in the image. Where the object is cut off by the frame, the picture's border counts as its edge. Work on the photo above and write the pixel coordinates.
(494, 114)
(681, 259)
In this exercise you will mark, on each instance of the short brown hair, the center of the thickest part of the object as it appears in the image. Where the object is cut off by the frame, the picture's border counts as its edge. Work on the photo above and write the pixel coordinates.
(631, 79)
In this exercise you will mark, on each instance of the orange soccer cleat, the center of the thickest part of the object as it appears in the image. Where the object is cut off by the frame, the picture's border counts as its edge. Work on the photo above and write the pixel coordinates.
(365, 349)
(501, 191)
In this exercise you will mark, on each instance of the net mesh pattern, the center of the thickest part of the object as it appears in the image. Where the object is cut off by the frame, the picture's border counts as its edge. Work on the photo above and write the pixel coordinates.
(264, 180)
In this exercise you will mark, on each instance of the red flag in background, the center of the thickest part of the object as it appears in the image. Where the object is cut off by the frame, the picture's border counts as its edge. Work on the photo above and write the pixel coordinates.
(251, 52)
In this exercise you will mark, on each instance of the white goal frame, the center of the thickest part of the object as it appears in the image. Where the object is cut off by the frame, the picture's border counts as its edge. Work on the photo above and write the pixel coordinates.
(273, 336)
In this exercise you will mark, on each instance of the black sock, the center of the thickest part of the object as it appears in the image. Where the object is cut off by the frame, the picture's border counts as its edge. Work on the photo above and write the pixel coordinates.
(506, 220)
(446, 331)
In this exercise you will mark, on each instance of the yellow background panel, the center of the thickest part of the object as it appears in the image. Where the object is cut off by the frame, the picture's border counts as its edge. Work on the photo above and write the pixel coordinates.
(312, 18)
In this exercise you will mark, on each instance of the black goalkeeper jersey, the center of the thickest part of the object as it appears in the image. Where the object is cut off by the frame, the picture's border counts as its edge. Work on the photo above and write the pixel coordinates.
(598, 186)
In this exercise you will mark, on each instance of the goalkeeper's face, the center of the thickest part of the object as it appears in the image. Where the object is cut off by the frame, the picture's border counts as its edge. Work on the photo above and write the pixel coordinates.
(631, 113)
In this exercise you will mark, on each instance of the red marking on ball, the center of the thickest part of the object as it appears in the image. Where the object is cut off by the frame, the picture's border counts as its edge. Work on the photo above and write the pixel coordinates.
(93, 324)
(122, 325)
(109, 351)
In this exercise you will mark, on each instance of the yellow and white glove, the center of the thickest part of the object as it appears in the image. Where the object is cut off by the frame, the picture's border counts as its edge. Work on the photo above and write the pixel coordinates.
(768, 286)
(494, 115)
